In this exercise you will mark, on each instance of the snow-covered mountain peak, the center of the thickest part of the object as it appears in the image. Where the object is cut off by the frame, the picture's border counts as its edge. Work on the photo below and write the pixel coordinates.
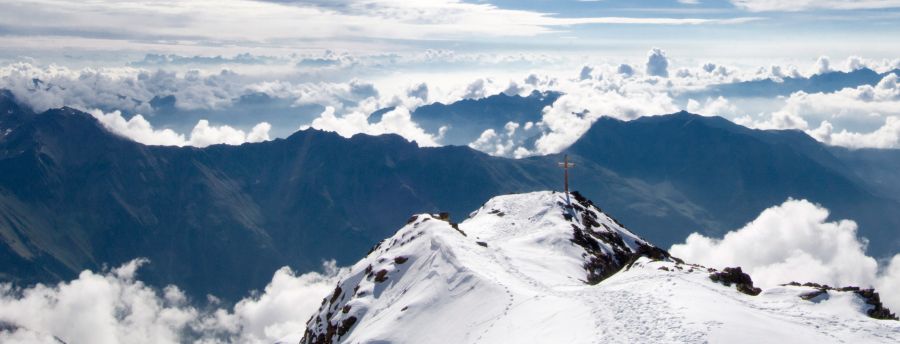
(512, 247)
(556, 237)
(543, 267)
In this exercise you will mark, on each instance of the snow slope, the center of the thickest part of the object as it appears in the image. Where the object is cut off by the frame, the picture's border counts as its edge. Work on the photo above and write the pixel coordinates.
(540, 268)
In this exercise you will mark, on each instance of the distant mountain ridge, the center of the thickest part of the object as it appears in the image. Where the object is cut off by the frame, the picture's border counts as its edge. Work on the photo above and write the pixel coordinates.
(74, 196)
(466, 119)
(726, 168)
(827, 82)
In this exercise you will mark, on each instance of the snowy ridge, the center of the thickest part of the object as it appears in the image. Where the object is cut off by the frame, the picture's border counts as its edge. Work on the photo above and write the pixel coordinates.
(543, 268)
(536, 231)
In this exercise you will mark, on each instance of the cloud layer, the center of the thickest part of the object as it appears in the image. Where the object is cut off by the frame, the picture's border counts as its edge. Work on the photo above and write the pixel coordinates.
(137, 128)
(396, 121)
(819, 114)
(213, 23)
(115, 307)
(805, 5)
(859, 117)
(795, 241)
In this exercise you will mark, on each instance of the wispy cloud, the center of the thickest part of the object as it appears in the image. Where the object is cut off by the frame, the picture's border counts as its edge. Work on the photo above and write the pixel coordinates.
(289, 22)
(805, 5)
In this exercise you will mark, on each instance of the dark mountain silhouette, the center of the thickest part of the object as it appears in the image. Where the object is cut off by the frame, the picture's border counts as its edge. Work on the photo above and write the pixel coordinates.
(731, 171)
(243, 112)
(468, 118)
(877, 167)
(221, 219)
(825, 83)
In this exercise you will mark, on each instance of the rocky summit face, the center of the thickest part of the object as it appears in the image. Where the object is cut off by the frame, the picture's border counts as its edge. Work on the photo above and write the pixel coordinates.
(545, 267)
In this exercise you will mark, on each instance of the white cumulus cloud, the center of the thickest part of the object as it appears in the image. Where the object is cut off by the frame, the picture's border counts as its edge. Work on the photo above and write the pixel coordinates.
(719, 106)
(397, 121)
(819, 114)
(794, 241)
(572, 114)
(886, 136)
(823, 65)
(115, 307)
(657, 63)
(505, 143)
(138, 129)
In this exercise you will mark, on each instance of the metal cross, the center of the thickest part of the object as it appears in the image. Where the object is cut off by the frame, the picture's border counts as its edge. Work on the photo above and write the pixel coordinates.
(566, 165)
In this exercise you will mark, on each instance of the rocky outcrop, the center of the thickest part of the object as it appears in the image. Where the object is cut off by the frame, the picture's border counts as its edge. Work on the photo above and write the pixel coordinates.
(876, 310)
(741, 280)
(608, 245)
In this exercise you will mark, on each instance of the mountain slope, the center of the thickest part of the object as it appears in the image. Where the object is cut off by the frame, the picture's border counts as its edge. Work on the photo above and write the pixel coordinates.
(735, 172)
(877, 167)
(519, 271)
(74, 196)
(314, 196)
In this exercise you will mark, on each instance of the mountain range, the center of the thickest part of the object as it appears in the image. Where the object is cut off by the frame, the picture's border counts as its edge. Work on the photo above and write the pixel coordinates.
(827, 82)
(74, 196)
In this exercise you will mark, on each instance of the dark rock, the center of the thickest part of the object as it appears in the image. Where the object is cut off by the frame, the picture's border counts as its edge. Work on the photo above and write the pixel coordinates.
(381, 276)
(400, 260)
(345, 326)
(735, 276)
(870, 296)
(336, 294)
(375, 247)
(600, 262)
(456, 227)
(813, 294)
(878, 311)
(482, 243)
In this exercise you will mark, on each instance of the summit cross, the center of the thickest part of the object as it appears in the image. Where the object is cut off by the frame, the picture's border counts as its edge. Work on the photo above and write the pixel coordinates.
(566, 165)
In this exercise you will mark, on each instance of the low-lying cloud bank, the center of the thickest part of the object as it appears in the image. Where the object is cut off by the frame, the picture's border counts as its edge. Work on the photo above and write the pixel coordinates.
(115, 307)
(655, 84)
(397, 121)
(795, 241)
(818, 114)
(137, 128)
